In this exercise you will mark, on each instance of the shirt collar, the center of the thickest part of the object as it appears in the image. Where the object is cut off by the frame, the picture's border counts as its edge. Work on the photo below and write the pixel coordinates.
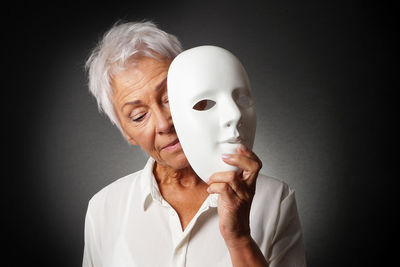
(149, 185)
(150, 191)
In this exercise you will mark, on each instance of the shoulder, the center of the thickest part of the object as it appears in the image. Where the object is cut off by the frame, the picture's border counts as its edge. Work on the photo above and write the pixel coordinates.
(114, 195)
(272, 187)
(270, 193)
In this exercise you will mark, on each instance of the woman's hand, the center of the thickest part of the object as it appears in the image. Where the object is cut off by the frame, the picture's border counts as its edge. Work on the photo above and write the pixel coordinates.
(236, 191)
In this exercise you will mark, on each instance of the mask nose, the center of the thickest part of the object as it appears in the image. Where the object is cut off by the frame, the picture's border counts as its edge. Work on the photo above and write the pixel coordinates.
(230, 114)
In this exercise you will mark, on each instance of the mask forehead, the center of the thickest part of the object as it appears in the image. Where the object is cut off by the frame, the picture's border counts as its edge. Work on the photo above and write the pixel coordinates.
(204, 72)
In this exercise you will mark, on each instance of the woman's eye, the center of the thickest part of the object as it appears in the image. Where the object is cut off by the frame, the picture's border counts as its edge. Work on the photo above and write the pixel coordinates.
(204, 104)
(138, 118)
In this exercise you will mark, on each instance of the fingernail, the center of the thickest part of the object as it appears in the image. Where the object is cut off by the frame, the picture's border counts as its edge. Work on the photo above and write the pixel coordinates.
(226, 156)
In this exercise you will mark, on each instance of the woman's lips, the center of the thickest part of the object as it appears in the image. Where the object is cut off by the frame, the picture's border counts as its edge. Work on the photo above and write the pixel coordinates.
(172, 146)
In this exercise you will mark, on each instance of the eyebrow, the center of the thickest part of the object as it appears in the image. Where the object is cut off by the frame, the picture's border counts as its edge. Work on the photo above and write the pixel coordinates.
(138, 102)
(161, 84)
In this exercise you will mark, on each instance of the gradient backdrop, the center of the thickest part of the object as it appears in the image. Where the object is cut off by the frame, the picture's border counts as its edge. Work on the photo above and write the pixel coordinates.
(322, 75)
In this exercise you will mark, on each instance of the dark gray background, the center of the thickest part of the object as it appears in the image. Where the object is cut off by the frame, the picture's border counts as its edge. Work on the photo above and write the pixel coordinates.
(322, 75)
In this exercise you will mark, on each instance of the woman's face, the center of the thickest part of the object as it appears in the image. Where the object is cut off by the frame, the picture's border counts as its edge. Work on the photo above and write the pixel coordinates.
(141, 103)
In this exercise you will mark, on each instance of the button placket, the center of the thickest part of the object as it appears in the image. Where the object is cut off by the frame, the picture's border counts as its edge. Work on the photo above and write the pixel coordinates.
(179, 255)
(174, 225)
(181, 239)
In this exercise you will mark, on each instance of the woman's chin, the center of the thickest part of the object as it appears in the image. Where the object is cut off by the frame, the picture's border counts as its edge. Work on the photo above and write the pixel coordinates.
(177, 161)
(180, 162)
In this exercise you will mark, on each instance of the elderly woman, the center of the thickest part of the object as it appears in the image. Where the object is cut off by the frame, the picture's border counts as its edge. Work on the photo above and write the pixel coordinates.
(165, 215)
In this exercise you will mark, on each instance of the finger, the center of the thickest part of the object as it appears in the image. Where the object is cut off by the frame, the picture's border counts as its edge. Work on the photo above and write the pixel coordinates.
(222, 177)
(242, 162)
(222, 189)
(243, 150)
(234, 181)
(246, 152)
(250, 167)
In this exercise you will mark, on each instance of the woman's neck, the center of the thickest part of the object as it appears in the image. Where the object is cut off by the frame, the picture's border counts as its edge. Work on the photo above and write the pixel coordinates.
(167, 176)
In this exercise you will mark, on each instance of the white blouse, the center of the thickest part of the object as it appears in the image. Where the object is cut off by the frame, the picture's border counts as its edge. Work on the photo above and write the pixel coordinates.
(128, 223)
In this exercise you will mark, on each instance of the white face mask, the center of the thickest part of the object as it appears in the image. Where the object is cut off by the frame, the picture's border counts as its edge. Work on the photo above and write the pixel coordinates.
(211, 106)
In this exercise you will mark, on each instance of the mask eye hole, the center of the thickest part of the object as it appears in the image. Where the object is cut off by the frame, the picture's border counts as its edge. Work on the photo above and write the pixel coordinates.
(205, 104)
(244, 101)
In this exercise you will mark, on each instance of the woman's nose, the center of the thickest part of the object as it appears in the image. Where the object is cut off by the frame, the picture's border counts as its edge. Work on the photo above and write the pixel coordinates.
(230, 114)
(163, 120)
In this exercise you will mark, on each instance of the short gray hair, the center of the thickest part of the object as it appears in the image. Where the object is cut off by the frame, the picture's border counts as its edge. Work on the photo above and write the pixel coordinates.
(119, 47)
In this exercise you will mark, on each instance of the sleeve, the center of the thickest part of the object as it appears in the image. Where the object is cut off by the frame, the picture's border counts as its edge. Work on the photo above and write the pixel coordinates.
(91, 255)
(287, 249)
